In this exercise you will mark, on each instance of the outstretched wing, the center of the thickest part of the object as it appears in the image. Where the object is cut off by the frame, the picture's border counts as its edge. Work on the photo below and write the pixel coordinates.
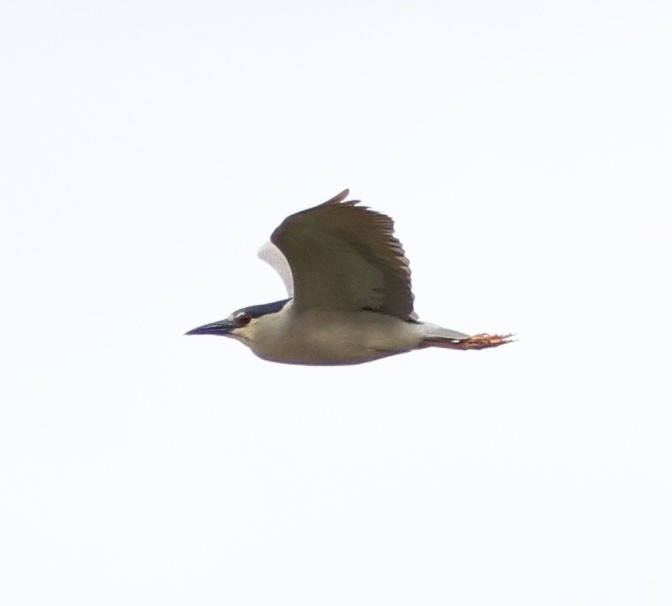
(345, 257)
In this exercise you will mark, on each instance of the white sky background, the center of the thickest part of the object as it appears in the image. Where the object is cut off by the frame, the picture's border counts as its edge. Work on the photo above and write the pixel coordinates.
(147, 150)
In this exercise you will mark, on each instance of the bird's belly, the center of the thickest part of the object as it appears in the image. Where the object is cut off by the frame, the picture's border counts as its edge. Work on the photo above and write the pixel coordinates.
(325, 338)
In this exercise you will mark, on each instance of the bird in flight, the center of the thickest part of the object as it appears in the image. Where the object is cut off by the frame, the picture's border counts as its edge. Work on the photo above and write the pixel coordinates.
(349, 294)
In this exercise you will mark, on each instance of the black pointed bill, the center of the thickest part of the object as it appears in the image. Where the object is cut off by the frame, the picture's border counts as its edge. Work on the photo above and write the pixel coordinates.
(221, 328)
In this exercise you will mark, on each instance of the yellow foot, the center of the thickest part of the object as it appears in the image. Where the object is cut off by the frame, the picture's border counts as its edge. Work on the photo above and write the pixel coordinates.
(483, 341)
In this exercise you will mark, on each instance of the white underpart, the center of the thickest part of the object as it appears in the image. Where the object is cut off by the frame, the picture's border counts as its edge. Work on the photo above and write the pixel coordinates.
(270, 253)
(330, 337)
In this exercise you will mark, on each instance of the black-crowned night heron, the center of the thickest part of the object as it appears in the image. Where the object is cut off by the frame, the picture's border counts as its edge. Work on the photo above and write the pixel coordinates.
(349, 288)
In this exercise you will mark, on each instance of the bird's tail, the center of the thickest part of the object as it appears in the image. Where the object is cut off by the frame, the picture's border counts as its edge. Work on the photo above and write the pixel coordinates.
(436, 336)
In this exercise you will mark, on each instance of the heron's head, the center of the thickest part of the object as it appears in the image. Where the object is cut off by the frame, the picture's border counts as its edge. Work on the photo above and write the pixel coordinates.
(241, 323)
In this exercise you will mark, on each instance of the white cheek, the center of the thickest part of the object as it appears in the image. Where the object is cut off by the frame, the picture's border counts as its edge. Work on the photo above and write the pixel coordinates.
(243, 333)
(238, 334)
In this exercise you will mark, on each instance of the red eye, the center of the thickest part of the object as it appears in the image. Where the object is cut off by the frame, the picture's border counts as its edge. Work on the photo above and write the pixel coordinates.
(244, 319)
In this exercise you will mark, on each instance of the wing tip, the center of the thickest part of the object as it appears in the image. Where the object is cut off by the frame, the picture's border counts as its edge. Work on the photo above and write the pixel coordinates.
(338, 198)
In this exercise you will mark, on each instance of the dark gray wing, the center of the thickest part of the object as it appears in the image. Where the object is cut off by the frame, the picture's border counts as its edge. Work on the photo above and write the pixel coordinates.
(345, 257)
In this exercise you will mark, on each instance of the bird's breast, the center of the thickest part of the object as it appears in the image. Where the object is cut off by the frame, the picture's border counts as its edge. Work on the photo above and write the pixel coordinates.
(332, 337)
